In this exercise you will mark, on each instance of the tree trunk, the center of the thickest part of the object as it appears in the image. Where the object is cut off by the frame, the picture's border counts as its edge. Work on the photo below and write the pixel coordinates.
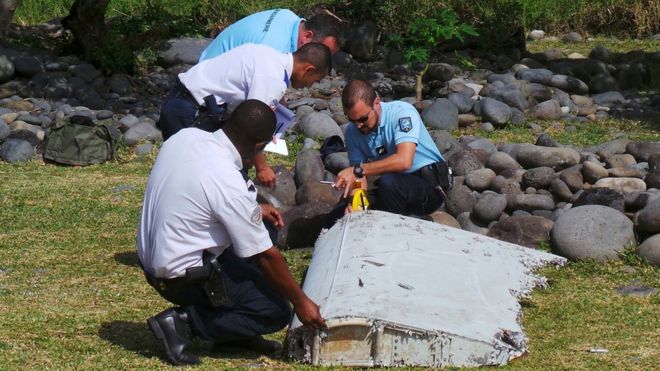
(419, 86)
(7, 9)
(86, 20)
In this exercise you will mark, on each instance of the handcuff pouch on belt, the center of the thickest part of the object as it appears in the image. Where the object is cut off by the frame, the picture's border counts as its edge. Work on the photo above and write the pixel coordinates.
(210, 116)
(438, 174)
(214, 285)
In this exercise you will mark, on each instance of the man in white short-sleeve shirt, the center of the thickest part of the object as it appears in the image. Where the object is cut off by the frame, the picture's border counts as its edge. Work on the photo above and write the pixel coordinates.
(203, 246)
(249, 71)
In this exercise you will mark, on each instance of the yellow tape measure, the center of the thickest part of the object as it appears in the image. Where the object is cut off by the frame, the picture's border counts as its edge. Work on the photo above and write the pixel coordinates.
(360, 201)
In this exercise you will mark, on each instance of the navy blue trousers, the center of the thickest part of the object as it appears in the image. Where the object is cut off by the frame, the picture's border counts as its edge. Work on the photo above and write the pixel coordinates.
(406, 194)
(257, 308)
(179, 111)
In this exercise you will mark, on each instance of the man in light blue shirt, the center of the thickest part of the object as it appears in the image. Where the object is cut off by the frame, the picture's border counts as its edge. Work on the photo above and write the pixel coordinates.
(280, 29)
(389, 139)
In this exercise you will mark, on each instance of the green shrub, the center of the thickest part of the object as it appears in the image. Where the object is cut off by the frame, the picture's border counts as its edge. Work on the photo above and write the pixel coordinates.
(425, 33)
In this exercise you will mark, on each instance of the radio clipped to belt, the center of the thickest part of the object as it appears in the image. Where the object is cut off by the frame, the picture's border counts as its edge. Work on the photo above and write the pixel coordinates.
(210, 115)
(439, 174)
(209, 275)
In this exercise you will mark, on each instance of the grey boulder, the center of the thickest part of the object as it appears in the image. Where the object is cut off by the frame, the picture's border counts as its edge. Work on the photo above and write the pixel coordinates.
(143, 131)
(17, 150)
(592, 232)
(318, 125)
(442, 114)
(527, 231)
(650, 250)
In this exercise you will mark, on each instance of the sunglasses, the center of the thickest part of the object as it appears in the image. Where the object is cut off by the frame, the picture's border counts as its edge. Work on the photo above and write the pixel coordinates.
(363, 119)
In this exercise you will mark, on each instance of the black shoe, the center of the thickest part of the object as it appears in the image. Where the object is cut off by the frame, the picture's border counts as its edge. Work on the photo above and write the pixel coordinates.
(172, 327)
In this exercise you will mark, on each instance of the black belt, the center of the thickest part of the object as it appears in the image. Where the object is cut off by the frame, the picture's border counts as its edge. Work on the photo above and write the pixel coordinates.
(438, 174)
(185, 93)
(193, 274)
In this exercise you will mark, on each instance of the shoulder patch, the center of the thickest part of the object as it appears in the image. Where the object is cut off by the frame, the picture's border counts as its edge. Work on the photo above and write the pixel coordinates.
(405, 124)
(256, 215)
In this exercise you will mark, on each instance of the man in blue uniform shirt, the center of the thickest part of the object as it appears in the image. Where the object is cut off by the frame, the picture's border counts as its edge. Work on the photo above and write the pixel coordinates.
(281, 29)
(391, 141)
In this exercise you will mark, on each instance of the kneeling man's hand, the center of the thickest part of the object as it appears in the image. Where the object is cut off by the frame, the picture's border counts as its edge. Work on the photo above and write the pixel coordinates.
(309, 314)
(271, 214)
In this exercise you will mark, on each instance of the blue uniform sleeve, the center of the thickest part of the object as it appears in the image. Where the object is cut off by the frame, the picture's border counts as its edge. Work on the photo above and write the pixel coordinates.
(407, 125)
(355, 154)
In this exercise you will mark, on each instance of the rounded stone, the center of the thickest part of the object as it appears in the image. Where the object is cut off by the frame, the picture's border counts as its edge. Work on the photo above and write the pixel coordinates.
(560, 190)
(27, 66)
(311, 191)
(319, 125)
(592, 172)
(501, 161)
(336, 162)
(468, 224)
(650, 250)
(463, 103)
(530, 202)
(539, 177)
(143, 131)
(479, 179)
(6, 69)
(17, 150)
(463, 162)
(648, 219)
(548, 110)
(459, 199)
(524, 230)
(530, 156)
(442, 114)
(309, 167)
(623, 185)
(495, 111)
(4, 130)
(489, 207)
(444, 218)
(572, 37)
(592, 232)
(601, 196)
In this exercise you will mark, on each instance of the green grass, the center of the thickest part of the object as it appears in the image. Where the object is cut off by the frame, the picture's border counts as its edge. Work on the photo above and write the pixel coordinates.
(580, 134)
(612, 43)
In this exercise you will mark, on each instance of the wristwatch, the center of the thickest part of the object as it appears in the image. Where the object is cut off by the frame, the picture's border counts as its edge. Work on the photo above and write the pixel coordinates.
(357, 171)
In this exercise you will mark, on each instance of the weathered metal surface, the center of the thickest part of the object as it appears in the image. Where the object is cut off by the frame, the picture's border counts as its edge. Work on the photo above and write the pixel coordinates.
(402, 291)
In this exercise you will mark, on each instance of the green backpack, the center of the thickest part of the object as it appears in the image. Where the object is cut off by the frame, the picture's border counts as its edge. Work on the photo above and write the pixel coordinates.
(81, 141)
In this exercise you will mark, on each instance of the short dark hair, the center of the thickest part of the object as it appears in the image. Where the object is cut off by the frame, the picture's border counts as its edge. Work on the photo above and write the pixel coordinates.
(324, 25)
(317, 55)
(255, 119)
(358, 90)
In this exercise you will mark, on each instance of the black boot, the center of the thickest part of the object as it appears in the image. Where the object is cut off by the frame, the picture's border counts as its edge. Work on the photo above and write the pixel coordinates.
(172, 327)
